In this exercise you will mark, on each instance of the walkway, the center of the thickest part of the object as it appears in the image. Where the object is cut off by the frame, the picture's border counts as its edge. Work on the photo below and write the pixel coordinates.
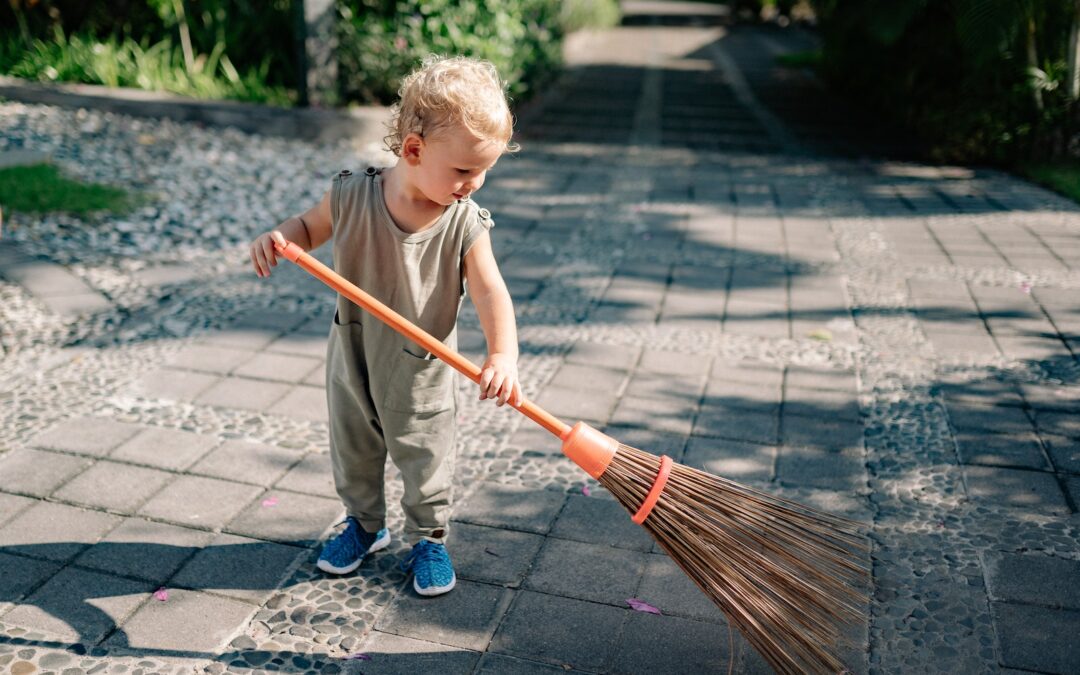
(696, 268)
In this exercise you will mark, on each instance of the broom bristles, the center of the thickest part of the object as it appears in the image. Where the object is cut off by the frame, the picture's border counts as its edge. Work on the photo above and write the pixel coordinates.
(787, 576)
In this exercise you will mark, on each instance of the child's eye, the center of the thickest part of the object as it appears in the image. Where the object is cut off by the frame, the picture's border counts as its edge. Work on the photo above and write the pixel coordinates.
(463, 171)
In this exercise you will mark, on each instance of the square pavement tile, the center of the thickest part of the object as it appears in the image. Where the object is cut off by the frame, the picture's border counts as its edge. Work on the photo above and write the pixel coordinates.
(396, 655)
(1051, 397)
(293, 518)
(1037, 638)
(819, 403)
(569, 569)
(238, 567)
(826, 434)
(212, 359)
(237, 392)
(619, 357)
(303, 403)
(498, 664)
(689, 646)
(172, 385)
(600, 520)
(247, 462)
(980, 392)
(1006, 450)
(735, 460)
(650, 440)
(21, 576)
(79, 605)
(673, 416)
(37, 472)
(173, 449)
(665, 586)
(1002, 419)
(96, 436)
(313, 475)
(1064, 452)
(1033, 579)
(645, 385)
(811, 467)
(11, 505)
(549, 628)
(576, 404)
(492, 555)
(738, 425)
(678, 364)
(511, 507)
(301, 343)
(1033, 491)
(806, 377)
(189, 621)
(466, 618)
(747, 372)
(245, 338)
(1061, 424)
(54, 531)
(317, 377)
(743, 396)
(590, 378)
(200, 502)
(279, 367)
(144, 549)
(114, 486)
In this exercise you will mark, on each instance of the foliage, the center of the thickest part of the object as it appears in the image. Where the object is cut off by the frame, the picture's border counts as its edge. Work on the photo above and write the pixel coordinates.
(41, 187)
(979, 80)
(382, 40)
(239, 49)
(1060, 177)
(575, 15)
(127, 63)
(800, 59)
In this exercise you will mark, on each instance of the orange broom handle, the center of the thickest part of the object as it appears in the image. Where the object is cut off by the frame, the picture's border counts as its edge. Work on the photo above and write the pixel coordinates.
(410, 330)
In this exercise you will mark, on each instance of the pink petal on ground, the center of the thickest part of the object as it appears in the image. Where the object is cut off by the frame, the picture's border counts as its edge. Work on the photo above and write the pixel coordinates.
(585, 490)
(359, 656)
(1025, 286)
(270, 501)
(640, 606)
(161, 594)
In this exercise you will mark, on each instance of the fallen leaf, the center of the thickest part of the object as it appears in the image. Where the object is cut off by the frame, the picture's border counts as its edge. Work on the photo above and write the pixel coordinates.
(821, 334)
(1025, 286)
(270, 501)
(642, 606)
(585, 490)
(359, 656)
(490, 552)
(161, 594)
(146, 139)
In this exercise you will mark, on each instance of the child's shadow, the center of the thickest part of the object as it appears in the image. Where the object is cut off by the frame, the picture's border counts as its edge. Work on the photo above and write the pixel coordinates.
(226, 580)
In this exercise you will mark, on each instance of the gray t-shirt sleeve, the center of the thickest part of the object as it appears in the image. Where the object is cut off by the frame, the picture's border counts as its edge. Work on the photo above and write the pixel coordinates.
(477, 222)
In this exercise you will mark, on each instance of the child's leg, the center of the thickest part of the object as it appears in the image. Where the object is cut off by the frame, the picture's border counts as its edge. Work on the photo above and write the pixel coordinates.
(357, 448)
(422, 447)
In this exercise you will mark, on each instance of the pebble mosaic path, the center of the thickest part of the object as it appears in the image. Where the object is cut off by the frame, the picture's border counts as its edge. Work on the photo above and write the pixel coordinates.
(693, 270)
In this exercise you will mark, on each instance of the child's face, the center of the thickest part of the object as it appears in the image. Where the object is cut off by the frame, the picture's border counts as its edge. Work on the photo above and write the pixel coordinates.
(452, 164)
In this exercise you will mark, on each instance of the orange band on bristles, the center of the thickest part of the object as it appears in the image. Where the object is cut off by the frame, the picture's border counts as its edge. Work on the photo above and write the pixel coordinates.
(654, 493)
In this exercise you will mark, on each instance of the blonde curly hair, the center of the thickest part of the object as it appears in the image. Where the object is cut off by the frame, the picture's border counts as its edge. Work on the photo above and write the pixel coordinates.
(444, 92)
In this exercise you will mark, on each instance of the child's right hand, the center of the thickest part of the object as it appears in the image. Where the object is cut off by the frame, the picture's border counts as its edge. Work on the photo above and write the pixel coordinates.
(263, 255)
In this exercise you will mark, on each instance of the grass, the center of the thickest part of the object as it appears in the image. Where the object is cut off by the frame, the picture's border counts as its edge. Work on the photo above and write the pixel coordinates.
(800, 59)
(1063, 177)
(41, 188)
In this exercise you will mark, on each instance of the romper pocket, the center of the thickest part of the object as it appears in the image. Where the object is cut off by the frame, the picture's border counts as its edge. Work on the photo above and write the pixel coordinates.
(420, 384)
(345, 354)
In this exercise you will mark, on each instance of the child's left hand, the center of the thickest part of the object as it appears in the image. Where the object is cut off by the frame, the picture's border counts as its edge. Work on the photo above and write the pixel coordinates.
(499, 380)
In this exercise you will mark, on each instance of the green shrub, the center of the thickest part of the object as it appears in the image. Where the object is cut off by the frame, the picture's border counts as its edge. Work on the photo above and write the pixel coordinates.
(577, 14)
(381, 41)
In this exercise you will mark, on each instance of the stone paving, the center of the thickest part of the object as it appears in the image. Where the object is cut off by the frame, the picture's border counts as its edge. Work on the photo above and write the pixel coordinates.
(692, 271)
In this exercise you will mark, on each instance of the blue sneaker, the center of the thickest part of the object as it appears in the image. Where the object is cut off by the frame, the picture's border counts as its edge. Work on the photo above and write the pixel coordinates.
(432, 572)
(345, 552)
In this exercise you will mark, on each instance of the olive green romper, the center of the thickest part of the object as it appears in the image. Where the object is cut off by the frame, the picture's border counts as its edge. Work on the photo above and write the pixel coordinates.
(386, 395)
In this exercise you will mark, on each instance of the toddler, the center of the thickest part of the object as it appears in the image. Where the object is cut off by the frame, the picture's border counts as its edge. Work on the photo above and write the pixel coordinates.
(411, 236)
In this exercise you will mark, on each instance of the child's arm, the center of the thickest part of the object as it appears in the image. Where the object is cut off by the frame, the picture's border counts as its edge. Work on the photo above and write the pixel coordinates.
(498, 375)
(309, 230)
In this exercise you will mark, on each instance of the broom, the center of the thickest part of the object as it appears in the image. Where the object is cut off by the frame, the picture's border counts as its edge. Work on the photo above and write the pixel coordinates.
(786, 575)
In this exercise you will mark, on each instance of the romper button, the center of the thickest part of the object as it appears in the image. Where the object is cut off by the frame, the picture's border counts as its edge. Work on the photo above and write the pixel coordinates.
(371, 171)
(346, 172)
(485, 214)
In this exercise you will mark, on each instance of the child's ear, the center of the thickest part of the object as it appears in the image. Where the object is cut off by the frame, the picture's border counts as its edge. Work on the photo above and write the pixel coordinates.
(411, 147)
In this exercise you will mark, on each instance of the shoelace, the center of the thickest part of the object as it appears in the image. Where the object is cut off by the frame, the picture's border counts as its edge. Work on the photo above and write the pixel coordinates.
(425, 551)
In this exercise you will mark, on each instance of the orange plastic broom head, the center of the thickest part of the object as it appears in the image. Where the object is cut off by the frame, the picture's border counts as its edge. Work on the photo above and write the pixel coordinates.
(590, 449)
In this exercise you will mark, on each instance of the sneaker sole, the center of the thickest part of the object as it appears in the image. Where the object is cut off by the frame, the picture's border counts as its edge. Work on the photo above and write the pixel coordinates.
(434, 590)
(377, 545)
